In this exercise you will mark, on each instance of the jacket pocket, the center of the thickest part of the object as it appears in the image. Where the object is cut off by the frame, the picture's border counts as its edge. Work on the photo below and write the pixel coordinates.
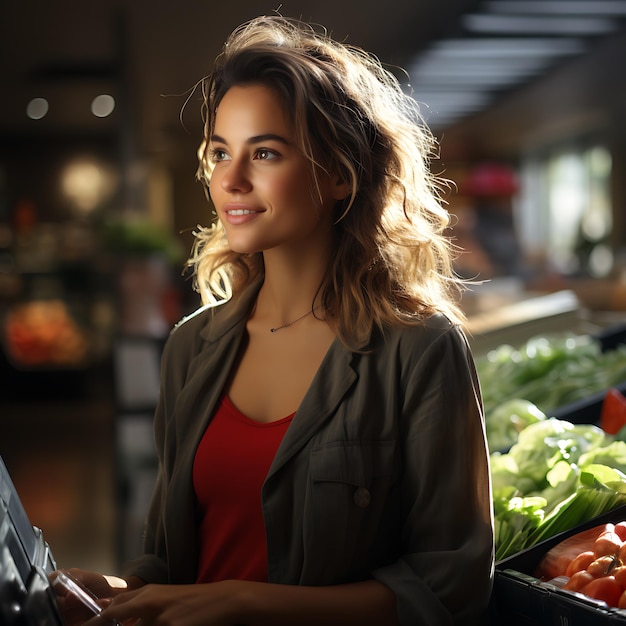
(348, 500)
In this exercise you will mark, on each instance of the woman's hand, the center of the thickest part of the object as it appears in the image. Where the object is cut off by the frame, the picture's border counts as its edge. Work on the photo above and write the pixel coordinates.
(100, 587)
(236, 602)
(212, 604)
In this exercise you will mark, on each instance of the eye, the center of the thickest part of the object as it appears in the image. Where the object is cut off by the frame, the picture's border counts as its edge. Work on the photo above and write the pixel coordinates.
(265, 154)
(217, 154)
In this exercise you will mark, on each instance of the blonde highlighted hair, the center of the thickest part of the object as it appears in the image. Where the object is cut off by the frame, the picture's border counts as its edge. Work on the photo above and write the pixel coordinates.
(392, 262)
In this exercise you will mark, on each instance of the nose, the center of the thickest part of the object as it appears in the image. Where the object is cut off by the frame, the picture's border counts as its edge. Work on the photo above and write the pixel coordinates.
(235, 177)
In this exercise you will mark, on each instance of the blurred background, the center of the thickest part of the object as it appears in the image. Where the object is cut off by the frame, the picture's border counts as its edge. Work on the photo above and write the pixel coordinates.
(99, 126)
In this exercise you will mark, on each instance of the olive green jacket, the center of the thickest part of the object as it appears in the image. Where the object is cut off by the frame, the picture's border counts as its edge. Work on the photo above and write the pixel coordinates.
(383, 472)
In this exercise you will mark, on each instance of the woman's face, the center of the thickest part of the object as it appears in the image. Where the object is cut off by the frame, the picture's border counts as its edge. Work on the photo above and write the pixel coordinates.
(261, 184)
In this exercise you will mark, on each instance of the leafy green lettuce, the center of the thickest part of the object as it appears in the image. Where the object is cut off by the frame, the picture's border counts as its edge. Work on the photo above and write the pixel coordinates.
(557, 476)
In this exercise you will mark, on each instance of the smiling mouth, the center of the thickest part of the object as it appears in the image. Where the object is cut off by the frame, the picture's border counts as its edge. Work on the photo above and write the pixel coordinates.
(240, 212)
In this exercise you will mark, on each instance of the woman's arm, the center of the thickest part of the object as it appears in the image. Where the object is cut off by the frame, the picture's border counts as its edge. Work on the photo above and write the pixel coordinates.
(444, 575)
(233, 602)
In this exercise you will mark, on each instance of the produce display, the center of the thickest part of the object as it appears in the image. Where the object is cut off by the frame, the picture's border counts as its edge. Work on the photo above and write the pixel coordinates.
(551, 475)
(44, 334)
(547, 372)
(556, 476)
(592, 562)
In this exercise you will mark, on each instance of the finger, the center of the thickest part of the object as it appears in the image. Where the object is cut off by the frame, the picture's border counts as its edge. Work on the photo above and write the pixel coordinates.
(123, 608)
(127, 596)
(98, 620)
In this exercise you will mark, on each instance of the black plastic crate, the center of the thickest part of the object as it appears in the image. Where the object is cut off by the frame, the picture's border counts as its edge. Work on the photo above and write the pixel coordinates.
(520, 599)
(585, 411)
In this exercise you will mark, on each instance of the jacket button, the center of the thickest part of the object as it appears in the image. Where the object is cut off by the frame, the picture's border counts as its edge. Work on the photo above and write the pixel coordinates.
(362, 497)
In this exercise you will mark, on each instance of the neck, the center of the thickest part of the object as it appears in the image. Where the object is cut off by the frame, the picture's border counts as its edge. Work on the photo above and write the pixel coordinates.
(281, 303)
(290, 289)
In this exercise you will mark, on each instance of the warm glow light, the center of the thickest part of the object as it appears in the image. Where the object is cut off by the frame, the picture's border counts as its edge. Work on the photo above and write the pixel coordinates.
(37, 108)
(103, 105)
(87, 184)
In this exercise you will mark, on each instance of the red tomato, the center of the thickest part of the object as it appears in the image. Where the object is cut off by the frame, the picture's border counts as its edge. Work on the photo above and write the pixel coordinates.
(581, 562)
(620, 575)
(620, 530)
(621, 603)
(613, 413)
(601, 566)
(578, 580)
(606, 589)
(555, 561)
(607, 543)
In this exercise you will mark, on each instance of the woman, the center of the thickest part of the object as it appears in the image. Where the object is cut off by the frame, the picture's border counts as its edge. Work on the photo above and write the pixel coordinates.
(320, 432)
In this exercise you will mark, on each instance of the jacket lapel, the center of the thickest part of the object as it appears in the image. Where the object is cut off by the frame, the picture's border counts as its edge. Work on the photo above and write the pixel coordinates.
(211, 368)
(332, 381)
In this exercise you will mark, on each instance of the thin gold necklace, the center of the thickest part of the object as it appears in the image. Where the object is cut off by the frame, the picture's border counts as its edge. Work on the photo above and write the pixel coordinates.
(277, 328)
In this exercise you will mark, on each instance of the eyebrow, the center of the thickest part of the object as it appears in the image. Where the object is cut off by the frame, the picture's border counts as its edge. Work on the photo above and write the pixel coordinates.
(254, 139)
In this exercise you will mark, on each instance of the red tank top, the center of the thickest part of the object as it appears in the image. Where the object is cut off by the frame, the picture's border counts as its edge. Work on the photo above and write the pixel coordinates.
(229, 469)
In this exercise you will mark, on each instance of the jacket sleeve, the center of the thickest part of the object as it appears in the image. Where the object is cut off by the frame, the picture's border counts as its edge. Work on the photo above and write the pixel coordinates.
(152, 565)
(445, 573)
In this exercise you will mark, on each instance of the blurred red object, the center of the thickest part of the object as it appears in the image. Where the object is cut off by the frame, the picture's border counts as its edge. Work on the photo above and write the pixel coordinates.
(490, 179)
(613, 414)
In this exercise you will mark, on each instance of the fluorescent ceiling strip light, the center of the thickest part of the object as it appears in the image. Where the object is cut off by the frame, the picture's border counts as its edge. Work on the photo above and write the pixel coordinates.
(436, 121)
(452, 100)
(442, 70)
(559, 7)
(447, 108)
(514, 25)
(484, 81)
(505, 47)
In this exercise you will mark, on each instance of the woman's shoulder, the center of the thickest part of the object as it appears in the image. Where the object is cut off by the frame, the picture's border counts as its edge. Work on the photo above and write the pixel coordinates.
(411, 341)
(427, 330)
(217, 317)
(196, 320)
(188, 334)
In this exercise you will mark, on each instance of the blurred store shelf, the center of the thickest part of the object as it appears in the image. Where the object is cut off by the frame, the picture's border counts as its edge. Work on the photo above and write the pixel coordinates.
(504, 312)
(60, 452)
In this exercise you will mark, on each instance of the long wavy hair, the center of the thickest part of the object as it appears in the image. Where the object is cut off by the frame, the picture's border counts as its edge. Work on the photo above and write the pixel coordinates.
(392, 261)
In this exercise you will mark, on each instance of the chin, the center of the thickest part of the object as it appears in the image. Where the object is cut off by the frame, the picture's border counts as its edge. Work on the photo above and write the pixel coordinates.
(241, 247)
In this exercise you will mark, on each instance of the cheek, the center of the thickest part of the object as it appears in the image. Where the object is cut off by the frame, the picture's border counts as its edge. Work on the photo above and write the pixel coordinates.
(214, 187)
(298, 193)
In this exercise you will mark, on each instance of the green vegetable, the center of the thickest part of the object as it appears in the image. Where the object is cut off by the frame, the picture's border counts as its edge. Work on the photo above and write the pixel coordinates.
(515, 520)
(507, 420)
(556, 476)
(549, 372)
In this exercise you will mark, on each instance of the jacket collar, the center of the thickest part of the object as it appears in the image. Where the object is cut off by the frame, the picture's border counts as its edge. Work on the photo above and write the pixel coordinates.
(239, 309)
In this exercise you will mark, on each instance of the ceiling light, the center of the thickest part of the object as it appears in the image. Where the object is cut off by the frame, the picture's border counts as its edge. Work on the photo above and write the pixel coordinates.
(505, 47)
(447, 100)
(494, 71)
(37, 108)
(440, 108)
(559, 7)
(103, 105)
(515, 25)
